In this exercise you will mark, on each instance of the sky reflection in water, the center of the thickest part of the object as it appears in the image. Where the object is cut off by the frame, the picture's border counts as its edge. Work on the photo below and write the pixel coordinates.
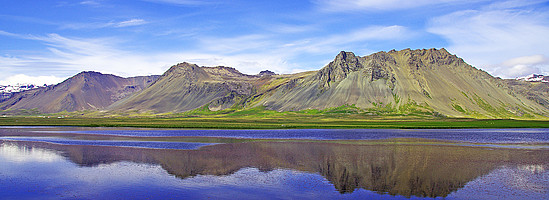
(137, 144)
(30, 177)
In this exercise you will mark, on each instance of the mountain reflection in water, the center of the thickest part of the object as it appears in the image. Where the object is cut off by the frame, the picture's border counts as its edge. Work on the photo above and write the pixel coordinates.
(407, 170)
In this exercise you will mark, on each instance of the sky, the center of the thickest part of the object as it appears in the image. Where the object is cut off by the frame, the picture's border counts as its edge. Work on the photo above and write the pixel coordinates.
(45, 42)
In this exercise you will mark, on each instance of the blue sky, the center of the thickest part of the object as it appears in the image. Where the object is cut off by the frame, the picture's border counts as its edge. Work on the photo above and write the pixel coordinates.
(49, 41)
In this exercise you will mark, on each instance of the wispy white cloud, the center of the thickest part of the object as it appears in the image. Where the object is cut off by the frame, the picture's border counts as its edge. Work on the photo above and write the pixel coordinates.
(252, 53)
(490, 36)
(182, 2)
(9, 66)
(4, 33)
(90, 3)
(526, 60)
(92, 25)
(342, 41)
(110, 24)
(248, 53)
(521, 66)
(239, 44)
(71, 55)
(287, 28)
(131, 22)
(513, 4)
(334, 42)
(373, 5)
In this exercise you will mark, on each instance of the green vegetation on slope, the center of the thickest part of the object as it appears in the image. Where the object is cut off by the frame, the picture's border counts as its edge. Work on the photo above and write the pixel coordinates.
(405, 115)
(282, 121)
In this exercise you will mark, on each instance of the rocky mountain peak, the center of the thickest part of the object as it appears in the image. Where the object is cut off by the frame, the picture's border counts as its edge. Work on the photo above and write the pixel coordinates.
(337, 70)
(421, 52)
(383, 57)
(345, 57)
(186, 70)
(83, 77)
(266, 73)
(91, 73)
(183, 66)
(428, 58)
(88, 74)
(223, 71)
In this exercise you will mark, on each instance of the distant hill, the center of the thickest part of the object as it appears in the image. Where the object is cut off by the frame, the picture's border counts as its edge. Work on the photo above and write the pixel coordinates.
(535, 78)
(84, 91)
(424, 81)
(6, 91)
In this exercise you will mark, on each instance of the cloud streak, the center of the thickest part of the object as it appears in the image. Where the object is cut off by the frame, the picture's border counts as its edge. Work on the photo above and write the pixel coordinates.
(375, 5)
(131, 22)
(248, 53)
(257, 52)
(90, 3)
(99, 25)
(181, 2)
(489, 36)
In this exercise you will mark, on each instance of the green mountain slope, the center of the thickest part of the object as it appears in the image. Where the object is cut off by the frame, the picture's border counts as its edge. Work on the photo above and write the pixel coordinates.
(535, 91)
(430, 80)
(187, 86)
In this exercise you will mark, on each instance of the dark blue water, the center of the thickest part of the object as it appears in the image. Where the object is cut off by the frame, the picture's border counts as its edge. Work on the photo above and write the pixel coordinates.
(464, 135)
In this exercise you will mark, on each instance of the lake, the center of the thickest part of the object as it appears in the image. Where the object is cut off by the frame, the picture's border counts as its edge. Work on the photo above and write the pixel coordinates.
(126, 163)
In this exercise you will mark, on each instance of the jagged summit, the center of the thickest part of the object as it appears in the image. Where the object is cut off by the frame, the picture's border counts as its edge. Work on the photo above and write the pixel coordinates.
(193, 71)
(339, 68)
(346, 62)
(182, 67)
(266, 73)
(92, 73)
(221, 71)
(343, 56)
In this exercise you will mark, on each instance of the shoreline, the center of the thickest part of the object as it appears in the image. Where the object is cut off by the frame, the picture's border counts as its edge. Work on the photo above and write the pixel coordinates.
(277, 123)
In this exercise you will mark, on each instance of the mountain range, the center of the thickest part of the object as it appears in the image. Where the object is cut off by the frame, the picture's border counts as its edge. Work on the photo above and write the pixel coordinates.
(402, 82)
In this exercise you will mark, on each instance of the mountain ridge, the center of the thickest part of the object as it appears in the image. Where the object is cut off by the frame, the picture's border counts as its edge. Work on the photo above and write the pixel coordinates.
(399, 82)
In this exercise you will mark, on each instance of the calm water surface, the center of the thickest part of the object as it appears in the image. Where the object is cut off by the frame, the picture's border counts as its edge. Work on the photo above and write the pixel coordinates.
(467, 135)
(99, 163)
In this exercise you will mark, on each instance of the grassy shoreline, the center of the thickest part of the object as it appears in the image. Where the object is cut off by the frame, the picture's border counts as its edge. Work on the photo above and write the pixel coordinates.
(277, 123)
